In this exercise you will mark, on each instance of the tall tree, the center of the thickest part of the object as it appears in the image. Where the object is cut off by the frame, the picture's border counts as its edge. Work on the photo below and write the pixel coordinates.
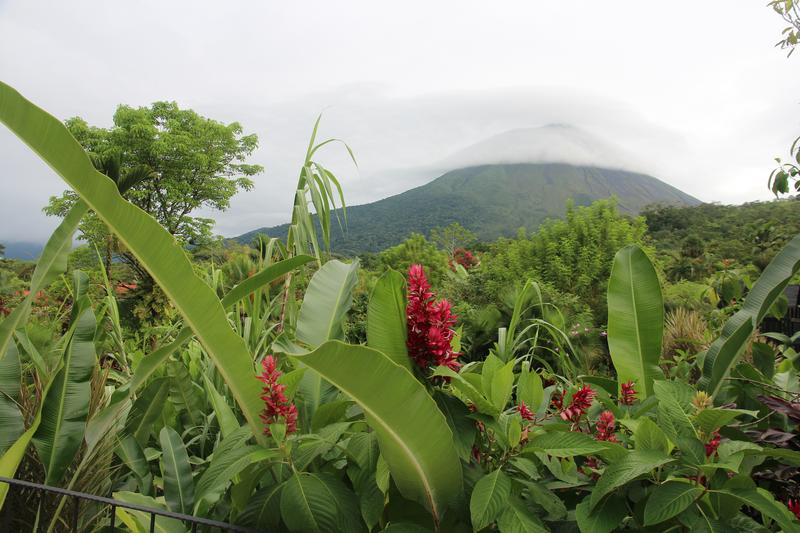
(190, 162)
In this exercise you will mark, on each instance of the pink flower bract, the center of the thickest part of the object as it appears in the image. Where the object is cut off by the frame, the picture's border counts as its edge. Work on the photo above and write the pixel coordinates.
(581, 401)
(525, 412)
(713, 444)
(605, 426)
(628, 395)
(276, 405)
(430, 324)
(794, 507)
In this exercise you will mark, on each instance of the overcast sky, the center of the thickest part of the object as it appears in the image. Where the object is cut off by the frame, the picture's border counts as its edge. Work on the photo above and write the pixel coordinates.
(693, 93)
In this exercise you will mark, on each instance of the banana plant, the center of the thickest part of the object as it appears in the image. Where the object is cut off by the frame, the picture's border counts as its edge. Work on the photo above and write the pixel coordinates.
(726, 350)
(635, 319)
(152, 245)
(413, 434)
(327, 300)
(386, 318)
(66, 406)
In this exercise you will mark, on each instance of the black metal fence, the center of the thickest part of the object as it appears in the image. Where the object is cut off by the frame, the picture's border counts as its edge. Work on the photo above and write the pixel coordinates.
(194, 523)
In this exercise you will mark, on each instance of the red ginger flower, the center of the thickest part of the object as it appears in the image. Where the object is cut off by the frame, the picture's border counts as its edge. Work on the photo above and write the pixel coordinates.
(524, 412)
(605, 427)
(463, 257)
(430, 324)
(628, 395)
(794, 506)
(581, 401)
(276, 405)
(713, 444)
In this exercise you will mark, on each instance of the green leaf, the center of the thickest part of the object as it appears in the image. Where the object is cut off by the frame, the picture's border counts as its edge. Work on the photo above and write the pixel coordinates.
(649, 436)
(155, 360)
(412, 433)
(52, 263)
(225, 417)
(490, 365)
(542, 496)
(462, 426)
(468, 390)
(66, 405)
(153, 246)
(518, 518)
(712, 419)
(150, 363)
(326, 303)
(178, 481)
(139, 521)
(502, 385)
(529, 387)
(185, 394)
(363, 447)
(147, 409)
(327, 300)
(11, 419)
(634, 464)
(223, 469)
(9, 461)
(386, 318)
(133, 457)
(489, 498)
(262, 278)
(604, 518)
(307, 506)
(635, 319)
(346, 503)
(765, 503)
(675, 409)
(670, 499)
(724, 352)
(263, 510)
(565, 444)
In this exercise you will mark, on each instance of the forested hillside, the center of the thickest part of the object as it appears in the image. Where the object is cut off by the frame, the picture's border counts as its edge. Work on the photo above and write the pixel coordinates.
(492, 201)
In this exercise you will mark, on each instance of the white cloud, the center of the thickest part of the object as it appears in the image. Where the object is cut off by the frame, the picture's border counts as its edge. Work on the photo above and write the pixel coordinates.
(696, 94)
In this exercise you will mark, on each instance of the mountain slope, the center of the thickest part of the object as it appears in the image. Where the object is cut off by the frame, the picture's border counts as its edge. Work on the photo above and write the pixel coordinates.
(492, 201)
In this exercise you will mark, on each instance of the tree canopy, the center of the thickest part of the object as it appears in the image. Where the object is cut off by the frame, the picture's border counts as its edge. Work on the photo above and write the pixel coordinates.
(193, 162)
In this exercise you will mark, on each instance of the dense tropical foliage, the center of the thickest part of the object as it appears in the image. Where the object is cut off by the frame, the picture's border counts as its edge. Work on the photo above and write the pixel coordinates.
(607, 372)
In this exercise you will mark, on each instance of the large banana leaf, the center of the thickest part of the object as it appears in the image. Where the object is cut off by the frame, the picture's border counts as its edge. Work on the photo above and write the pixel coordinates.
(325, 305)
(11, 419)
(386, 318)
(326, 302)
(9, 461)
(178, 482)
(724, 352)
(153, 246)
(66, 405)
(635, 319)
(412, 432)
(52, 263)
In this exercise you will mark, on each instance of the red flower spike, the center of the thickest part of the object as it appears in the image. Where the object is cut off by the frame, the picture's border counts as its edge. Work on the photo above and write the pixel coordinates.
(581, 401)
(524, 412)
(430, 324)
(276, 405)
(713, 444)
(605, 427)
(794, 507)
(628, 395)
